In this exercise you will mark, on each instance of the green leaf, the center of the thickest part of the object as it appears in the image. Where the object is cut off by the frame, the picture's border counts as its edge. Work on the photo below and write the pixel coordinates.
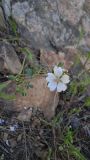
(21, 90)
(61, 64)
(13, 25)
(6, 96)
(87, 102)
(81, 32)
(85, 81)
(73, 88)
(88, 55)
(74, 111)
(28, 52)
(2, 86)
(77, 60)
(69, 137)
(49, 154)
(76, 152)
(29, 72)
(11, 77)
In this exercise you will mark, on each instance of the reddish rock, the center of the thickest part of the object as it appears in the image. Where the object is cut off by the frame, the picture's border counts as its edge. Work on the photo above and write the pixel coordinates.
(38, 97)
(50, 58)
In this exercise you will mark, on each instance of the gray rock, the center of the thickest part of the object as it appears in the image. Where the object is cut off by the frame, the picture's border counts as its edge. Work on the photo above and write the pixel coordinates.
(71, 10)
(75, 122)
(86, 24)
(9, 58)
(2, 20)
(85, 41)
(87, 6)
(7, 7)
(47, 24)
(85, 44)
(1, 64)
(87, 129)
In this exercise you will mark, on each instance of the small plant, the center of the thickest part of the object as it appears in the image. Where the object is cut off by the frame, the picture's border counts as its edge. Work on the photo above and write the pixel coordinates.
(71, 149)
(13, 26)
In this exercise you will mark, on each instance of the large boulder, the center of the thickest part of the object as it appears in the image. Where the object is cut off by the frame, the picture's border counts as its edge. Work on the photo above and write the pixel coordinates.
(47, 24)
(51, 24)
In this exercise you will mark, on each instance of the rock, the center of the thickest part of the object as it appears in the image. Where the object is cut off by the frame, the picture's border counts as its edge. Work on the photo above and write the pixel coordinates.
(86, 24)
(50, 58)
(7, 8)
(85, 44)
(38, 97)
(1, 64)
(47, 24)
(75, 122)
(87, 129)
(83, 60)
(9, 58)
(25, 115)
(51, 24)
(85, 20)
(88, 42)
(87, 6)
(2, 20)
(71, 11)
(73, 53)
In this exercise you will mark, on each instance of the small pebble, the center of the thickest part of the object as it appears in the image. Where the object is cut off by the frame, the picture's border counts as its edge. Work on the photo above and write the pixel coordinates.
(7, 142)
(13, 127)
(75, 122)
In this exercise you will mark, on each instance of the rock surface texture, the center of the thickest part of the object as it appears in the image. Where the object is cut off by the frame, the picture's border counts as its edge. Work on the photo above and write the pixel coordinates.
(38, 97)
(51, 24)
(8, 58)
(2, 20)
(49, 58)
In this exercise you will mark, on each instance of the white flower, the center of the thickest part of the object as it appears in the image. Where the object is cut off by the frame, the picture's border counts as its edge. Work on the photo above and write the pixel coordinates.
(58, 80)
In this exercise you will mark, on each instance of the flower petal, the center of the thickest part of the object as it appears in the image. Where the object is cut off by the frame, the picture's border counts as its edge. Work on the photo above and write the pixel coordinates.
(65, 79)
(58, 71)
(50, 77)
(52, 86)
(61, 87)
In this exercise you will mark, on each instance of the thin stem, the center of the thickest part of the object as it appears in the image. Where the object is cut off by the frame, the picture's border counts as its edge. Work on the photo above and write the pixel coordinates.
(25, 141)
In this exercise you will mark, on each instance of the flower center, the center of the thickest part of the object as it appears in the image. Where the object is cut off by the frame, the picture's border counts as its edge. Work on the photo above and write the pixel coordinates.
(57, 80)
